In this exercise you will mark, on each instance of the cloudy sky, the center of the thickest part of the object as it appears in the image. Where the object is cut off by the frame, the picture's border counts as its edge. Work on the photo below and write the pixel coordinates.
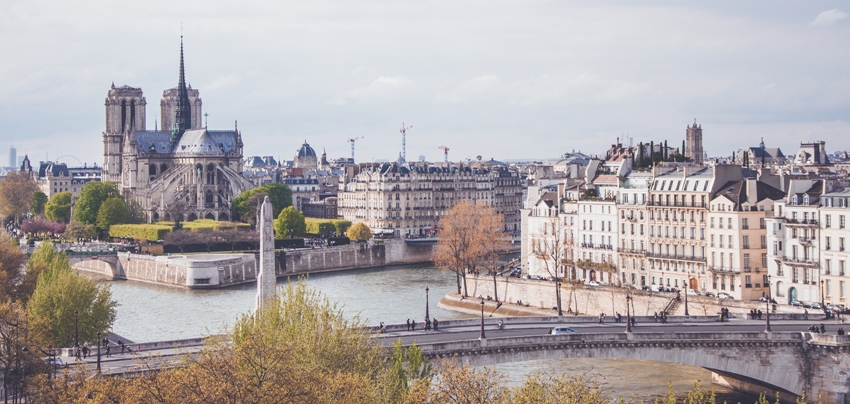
(501, 79)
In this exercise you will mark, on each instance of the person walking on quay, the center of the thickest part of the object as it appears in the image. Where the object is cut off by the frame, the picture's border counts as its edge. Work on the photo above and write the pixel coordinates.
(408, 324)
(107, 351)
(655, 316)
(805, 314)
(436, 324)
(759, 314)
(85, 351)
(427, 324)
(822, 328)
(121, 343)
(412, 325)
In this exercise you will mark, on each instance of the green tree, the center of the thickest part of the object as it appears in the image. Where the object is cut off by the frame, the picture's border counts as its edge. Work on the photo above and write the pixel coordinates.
(39, 199)
(326, 229)
(290, 223)
(16, 193)
(58, 209)
(359, 232)
(77, 230)
(91, 197)
(12, 261)
(112, 211)
(245, 205)
(58, 292)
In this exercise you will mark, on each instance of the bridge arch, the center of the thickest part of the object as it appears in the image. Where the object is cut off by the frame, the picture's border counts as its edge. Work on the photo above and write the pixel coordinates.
(104, 264)
(748, 357)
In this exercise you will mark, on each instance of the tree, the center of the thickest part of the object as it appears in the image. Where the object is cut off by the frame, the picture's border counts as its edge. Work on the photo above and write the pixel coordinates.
(77, 231)
(462, 239)
(182, 238)
(16, 194)
(492, 243)
(14, 336)
(91, 197)
(38, 201)
(58, 209)
(12, 261)
(554, 252)
(245, 205)
(460, 383)
(112, 211)
(290, 223)
(58, 293)
(359, 232)
(137, 213)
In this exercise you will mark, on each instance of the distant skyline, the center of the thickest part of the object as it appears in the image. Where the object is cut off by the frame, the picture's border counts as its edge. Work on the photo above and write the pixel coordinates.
(503, 80)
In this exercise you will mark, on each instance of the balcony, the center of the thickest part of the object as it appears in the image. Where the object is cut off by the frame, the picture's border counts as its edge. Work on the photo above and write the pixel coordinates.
(724, 271)
(680, 257)
(630, 251)
(793, 262)
(802, 223)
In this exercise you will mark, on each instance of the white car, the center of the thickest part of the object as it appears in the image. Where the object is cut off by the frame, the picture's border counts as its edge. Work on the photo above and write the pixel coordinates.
(692, 292)
(722, 295)
(592, 283)
(563, 330)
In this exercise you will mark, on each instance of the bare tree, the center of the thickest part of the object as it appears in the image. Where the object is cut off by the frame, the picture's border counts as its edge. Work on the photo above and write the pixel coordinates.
(493, 242)
(463, 232)
(181, 239)
(554, 250)
(16, 191)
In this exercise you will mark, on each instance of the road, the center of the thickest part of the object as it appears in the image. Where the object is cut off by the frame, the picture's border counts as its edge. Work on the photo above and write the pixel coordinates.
(120, 363)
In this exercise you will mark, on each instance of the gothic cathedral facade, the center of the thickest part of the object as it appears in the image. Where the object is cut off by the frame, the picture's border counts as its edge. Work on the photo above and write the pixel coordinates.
(182, 171)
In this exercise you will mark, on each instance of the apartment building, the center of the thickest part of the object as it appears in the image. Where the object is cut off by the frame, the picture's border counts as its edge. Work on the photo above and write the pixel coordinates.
(632, 220)
(408, 199)
(737, 241)
(794, 243)
(834, 236)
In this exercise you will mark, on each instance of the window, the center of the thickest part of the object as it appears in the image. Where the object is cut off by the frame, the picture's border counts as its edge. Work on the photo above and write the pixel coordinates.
(827, 221)
(828, 243)
(764, 242)
(840, 221)
(747, 282)
(712, 222)
(762, 224)
(729, 222)
(840, 268)
(841, 289)
(829, 287)
(764, 260)
(745, 224)
(841, 244)
(827, 267)
(746, 242)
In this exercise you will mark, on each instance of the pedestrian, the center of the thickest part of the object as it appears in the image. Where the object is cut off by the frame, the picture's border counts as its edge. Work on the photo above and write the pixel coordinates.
(436, 324)
(121, 343)
(408, 324)
(427, 324)
(759, 314)
(380, 329)
(822, 328)
(840, 331)
(78, 352)
(85, 351)
(805, 314)
(107, 350)
(412, 325)
(655, 316)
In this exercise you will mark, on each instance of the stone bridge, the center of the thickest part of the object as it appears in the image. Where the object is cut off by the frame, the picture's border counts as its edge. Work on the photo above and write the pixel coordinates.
(788, 363)
(105, 263)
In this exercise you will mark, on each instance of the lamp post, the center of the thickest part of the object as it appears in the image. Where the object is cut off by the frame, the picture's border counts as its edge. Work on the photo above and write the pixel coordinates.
(767, 306)
(481, 337)
(686, 300)
(427, 316)
(76, 329)
(98, 352)
(628, 314)
(823, 300)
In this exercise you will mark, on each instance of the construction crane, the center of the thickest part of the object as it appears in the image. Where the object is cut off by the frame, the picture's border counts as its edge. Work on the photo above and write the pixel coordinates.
(445, 152)
(403, 132)
(352, 140)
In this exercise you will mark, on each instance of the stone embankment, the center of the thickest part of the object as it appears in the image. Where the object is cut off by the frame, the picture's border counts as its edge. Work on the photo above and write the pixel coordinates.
(538, 299)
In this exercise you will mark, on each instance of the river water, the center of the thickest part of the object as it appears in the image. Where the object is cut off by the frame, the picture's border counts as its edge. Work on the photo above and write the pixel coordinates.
(392, 295)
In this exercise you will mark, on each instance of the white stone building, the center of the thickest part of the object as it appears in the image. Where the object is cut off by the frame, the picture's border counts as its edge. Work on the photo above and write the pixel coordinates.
(834, 238)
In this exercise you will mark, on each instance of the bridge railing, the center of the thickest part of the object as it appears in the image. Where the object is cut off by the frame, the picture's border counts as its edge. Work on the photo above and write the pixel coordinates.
(606, 338)
(553, 320)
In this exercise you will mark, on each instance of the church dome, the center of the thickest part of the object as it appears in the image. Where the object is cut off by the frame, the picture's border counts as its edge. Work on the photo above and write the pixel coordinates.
(306, 151)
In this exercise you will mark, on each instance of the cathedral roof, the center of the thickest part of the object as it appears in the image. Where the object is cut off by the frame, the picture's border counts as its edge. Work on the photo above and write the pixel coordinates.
(306, 151)
(199, 141)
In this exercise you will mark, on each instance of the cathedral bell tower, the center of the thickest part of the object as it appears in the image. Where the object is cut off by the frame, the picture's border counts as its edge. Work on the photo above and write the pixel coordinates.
(125, 113)
(693, 143)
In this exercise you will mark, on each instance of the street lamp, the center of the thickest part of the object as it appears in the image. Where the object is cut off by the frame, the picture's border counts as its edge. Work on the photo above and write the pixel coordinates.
(823, 300)
(427, 316)
(98, 352)
(481, 337)
(76, 329)
(767, 306)
(686, 300)
(628, 314)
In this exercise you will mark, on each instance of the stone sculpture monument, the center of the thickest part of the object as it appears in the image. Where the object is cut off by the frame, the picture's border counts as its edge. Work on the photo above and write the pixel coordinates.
(266, 277)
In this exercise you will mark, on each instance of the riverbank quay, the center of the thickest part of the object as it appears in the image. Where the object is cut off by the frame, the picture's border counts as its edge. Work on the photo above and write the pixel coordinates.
(210, 271)
(538, 299)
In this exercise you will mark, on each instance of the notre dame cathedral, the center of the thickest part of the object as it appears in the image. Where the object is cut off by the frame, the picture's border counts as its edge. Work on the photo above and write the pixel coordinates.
(182, 171)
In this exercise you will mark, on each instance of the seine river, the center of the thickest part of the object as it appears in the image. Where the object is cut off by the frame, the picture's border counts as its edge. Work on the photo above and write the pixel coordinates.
(392, 295)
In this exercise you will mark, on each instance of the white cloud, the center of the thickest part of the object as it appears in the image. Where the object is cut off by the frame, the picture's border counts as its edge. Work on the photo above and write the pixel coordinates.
(828, 17)
(382, 88)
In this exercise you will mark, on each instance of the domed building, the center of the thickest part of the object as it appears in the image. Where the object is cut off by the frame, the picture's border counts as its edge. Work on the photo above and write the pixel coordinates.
(306, 157)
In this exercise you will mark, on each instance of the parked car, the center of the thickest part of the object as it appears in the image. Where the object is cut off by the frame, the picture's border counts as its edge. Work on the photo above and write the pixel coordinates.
(807, 306)
(655, 288)
(592, 283)
(796, 303)
(692, 292)
(563, 330)
(722, 295)
(763, 299)
(817, 306)
(54, 362)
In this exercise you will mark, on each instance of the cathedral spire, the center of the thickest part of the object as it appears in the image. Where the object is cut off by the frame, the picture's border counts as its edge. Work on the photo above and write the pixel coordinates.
(183, 118)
